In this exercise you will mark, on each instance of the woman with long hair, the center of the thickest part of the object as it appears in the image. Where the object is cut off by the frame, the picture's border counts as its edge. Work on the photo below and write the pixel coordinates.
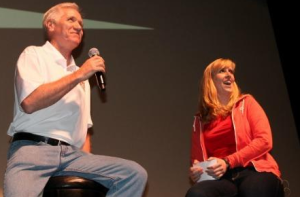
(231, 129)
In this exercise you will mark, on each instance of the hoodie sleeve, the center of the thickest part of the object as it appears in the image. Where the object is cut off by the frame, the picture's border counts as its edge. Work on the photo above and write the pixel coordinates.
(196, 148)
(253, 133)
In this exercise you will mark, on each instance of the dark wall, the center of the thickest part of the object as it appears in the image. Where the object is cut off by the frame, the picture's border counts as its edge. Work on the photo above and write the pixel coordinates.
(153, 76)
(285, 24)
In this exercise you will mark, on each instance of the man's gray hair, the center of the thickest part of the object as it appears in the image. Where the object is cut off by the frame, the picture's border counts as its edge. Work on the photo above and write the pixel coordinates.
(55, 12)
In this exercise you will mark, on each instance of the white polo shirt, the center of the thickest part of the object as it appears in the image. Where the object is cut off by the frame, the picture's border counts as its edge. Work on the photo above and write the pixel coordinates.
(70, 117)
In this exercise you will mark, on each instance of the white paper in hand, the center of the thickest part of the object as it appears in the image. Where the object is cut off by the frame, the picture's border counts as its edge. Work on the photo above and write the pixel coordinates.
(204, 176)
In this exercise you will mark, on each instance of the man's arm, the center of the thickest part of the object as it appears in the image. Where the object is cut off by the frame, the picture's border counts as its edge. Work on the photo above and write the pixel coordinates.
(48, 94)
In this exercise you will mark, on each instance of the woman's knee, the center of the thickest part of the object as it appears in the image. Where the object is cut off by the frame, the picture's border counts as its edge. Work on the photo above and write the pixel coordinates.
(214, 188)
(194, 192)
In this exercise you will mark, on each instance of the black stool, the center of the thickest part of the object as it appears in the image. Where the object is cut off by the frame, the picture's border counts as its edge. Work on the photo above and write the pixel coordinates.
(73, 186)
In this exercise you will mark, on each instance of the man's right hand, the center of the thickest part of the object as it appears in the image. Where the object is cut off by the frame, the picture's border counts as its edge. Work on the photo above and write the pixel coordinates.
(91, 66)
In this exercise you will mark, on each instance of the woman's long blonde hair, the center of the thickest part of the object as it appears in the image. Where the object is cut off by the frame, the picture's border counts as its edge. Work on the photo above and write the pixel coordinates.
(209, 105)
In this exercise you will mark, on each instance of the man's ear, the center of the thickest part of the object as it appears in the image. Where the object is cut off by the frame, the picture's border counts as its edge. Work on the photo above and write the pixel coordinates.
(50, 25)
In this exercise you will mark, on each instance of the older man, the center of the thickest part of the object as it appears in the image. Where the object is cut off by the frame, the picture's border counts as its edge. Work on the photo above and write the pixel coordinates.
(52, 116)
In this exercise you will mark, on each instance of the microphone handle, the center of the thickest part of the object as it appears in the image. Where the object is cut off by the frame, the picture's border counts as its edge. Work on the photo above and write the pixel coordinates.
(100, 80)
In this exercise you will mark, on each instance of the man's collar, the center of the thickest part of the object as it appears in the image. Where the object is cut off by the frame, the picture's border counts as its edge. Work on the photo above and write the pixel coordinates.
(58, 57)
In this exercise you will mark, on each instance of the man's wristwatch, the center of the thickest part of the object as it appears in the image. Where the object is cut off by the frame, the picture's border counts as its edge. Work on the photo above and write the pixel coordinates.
(227, 163)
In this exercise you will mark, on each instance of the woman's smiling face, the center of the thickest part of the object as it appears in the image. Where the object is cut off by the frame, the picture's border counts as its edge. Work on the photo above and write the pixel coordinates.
(224, 80)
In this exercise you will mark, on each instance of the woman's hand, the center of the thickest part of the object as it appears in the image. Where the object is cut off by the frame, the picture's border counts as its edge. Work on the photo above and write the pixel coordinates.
(217, 170)
(195, 172)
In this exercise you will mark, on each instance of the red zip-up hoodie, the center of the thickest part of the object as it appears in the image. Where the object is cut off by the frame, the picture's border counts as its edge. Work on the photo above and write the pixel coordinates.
(253, 137)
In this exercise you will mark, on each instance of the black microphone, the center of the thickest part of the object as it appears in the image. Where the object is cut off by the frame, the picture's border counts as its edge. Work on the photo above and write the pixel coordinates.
(99, 75)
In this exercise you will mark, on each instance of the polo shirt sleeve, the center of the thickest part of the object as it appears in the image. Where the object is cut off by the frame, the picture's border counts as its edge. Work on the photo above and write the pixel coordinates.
(28, 73)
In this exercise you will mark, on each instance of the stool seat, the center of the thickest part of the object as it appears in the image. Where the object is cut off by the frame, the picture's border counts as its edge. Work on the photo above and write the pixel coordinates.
(73, 186)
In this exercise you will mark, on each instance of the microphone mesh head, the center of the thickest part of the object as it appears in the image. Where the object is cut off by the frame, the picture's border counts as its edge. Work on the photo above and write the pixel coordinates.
(93, 52)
